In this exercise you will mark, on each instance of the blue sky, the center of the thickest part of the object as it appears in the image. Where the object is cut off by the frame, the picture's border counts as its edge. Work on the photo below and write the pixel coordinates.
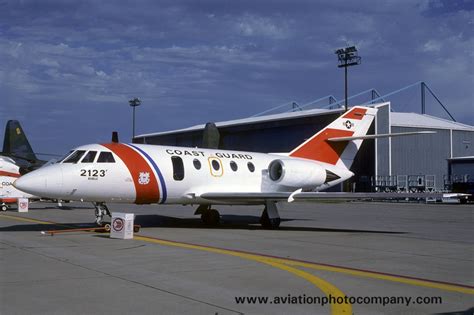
(68, 68)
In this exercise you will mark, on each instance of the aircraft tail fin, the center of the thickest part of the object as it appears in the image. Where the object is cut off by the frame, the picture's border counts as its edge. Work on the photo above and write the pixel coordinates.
(15, 142)
(352, 124)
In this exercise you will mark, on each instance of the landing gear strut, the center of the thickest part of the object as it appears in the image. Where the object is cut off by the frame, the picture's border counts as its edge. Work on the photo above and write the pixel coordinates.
(209, 216)
(100, 210)
(270, 218)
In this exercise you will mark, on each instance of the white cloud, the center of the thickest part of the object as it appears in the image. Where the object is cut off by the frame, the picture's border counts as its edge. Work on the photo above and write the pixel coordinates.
(253, 25)
(101, 73)
(87, 70)
(432, 46)
(48, 62)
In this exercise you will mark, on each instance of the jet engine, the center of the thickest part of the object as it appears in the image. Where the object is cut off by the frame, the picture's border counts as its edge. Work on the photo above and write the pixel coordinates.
(299, 174)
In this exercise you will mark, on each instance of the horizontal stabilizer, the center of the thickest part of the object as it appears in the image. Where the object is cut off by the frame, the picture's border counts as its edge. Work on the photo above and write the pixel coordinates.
(385, 135)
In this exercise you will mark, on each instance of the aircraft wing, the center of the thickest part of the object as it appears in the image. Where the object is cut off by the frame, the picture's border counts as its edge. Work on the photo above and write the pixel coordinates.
(298, 195)
(246, 197)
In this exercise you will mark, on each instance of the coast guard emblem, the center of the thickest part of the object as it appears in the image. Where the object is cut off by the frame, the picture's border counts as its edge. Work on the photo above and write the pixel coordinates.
(144, 178)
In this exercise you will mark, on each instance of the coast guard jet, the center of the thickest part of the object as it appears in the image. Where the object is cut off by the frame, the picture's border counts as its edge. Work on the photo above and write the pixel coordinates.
(9, 172)
(149, 174)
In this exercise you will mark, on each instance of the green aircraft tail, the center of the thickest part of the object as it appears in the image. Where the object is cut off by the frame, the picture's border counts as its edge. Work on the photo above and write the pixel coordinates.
(15, 143)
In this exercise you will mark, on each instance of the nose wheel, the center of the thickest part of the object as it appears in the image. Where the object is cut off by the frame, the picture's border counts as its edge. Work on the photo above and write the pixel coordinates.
(101, 210)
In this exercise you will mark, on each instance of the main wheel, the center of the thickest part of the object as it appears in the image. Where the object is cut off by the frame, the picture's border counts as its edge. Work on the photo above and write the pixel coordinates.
(4, 207)
(107, 227)
(211, 217)
(268, 223)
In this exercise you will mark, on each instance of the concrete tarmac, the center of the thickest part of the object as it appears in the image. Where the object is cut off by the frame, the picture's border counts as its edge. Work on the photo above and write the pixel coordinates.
(369, 258)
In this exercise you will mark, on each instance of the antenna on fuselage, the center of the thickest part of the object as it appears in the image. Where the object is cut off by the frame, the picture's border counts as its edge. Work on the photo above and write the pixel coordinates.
(115, 138)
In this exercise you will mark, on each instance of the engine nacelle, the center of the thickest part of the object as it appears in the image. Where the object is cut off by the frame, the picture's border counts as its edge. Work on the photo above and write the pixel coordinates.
(296, 173)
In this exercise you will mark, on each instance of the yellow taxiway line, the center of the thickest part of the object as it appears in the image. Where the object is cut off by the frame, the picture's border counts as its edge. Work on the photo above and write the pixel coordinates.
(324, 286)
(350, 271)
(382, 276)
(14, 217)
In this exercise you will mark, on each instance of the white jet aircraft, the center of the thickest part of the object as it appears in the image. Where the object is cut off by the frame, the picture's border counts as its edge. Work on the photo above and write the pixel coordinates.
(9, 172)
(149, 174)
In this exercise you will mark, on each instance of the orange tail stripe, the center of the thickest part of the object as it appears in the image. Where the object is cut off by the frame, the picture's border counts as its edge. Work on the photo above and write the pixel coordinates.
(356, 113)
(320, 150)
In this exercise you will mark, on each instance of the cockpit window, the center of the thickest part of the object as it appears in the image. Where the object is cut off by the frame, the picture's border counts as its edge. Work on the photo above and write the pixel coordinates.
(75, 157)
(106, 157)
(64, 157)
(90, 157)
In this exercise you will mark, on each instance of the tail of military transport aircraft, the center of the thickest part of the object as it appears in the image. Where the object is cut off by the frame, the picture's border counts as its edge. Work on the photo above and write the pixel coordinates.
(15, 142)
(17, 147)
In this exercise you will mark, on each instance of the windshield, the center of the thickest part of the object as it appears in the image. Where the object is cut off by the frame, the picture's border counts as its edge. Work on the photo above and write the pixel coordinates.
(65, 156)
(74, 157)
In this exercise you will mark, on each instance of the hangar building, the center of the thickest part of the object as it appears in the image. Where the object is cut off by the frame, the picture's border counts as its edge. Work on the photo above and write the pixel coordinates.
(421, 162)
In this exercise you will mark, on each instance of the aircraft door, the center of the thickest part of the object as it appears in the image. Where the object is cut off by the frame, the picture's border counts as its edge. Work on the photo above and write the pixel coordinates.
(178, 168)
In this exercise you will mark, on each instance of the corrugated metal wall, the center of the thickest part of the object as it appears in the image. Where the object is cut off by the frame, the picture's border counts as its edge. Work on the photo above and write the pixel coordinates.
(421, 154)
(463, 143)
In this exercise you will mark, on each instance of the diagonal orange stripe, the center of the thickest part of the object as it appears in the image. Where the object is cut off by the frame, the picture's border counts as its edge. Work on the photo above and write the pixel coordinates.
(136, 164)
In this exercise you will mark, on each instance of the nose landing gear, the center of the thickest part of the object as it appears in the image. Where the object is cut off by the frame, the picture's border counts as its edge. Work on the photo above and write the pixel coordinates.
(100, 210)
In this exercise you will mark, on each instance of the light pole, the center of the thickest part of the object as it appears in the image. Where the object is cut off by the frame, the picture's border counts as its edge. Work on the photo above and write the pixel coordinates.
(134, 103)
(347, 57)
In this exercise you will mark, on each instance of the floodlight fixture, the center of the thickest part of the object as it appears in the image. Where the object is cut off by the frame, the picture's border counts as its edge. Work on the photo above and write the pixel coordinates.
(134, 103)
(347, 57)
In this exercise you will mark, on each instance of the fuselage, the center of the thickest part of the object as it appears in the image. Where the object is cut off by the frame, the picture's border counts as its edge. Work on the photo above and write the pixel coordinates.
(147, 174)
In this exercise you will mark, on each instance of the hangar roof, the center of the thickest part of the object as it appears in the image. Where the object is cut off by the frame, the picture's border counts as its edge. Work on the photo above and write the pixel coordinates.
(396, 118)
(425, 121)
(251, 120)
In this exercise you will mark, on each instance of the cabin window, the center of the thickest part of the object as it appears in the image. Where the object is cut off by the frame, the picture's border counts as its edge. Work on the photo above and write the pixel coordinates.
(178, 167)
(215, 165)
(251, 167)
(233, 166)
(106, 157)
(75, 157)
(197, 164)
(90, 157)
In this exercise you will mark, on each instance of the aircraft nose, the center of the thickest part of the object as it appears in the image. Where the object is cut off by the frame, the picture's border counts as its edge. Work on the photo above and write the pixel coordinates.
(44, 182)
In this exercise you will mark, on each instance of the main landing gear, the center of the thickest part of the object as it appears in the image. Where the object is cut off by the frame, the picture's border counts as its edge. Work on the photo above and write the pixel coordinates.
(209, 216)
(270, 218)
(100, 210)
